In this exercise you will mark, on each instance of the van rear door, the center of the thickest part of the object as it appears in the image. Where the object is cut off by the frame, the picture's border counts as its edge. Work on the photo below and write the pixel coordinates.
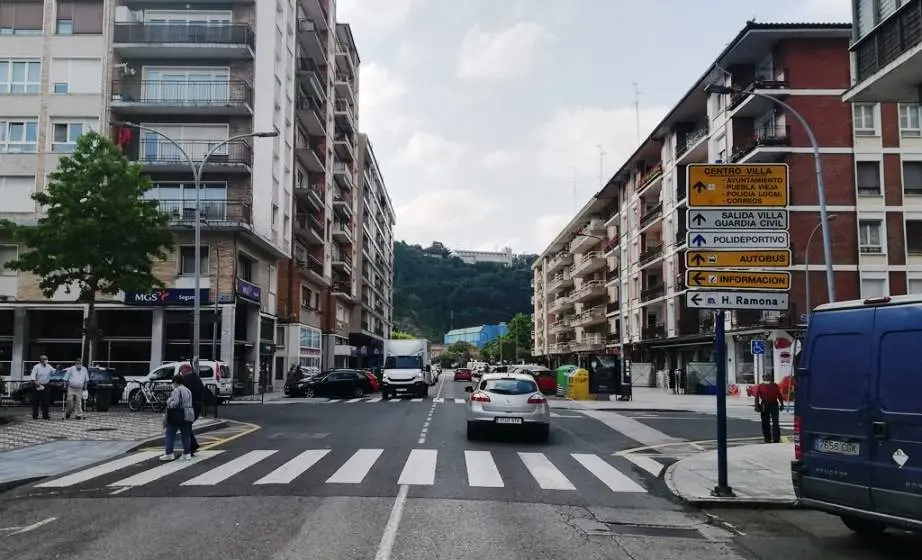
(833, 395)
(896, 470)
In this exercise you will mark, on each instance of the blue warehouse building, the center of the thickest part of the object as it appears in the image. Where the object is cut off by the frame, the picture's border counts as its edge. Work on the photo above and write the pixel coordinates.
(477, 336)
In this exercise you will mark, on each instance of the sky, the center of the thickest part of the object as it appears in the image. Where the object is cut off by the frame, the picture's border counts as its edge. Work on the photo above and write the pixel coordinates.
(484, 114)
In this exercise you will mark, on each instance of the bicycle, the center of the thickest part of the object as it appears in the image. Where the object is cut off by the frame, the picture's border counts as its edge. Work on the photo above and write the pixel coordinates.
(146, 395)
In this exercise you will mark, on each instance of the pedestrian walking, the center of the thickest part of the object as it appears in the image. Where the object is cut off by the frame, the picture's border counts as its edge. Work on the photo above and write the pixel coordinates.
(769, 403)
(76, 379)
(179, 417)
(41, 377)
(193, 382)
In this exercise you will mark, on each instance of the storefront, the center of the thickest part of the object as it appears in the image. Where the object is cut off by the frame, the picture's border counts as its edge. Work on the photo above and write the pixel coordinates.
(310, 347)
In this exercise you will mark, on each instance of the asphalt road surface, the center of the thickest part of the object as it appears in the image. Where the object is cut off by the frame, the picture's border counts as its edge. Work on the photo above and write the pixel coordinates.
(371, 479)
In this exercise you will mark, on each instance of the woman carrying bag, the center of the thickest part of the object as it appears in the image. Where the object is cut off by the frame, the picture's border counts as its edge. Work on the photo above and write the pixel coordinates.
(179, 416)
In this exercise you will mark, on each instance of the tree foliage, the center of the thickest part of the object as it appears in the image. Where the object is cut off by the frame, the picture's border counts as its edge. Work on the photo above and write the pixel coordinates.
(97, 234)
(459, 351)
(516, 344)
(400, 335)
(433, 290)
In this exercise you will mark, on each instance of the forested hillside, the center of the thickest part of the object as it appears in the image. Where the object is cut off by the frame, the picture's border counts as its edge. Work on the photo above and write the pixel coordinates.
(430, 286)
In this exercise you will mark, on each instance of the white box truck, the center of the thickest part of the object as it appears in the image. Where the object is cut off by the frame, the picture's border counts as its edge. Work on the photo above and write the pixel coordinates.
(406, 368)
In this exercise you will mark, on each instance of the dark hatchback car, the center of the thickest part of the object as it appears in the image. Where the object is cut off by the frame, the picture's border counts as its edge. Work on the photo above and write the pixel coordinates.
(337, 383)
(105, 376)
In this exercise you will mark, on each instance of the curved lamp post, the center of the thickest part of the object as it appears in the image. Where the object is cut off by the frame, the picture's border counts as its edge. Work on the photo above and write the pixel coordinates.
(816, 228)
(197, 168)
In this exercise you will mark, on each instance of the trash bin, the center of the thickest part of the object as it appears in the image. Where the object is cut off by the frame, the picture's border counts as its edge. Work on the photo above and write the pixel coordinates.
(562, 376)
(578, 385)
(104, 397)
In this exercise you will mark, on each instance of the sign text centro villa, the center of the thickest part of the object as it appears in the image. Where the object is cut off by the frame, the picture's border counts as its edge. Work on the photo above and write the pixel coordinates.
(167, 296)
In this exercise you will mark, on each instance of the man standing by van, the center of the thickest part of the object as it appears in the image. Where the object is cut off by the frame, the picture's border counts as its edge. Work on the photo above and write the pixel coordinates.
(76, 380)
(769, 402)
(41, 377)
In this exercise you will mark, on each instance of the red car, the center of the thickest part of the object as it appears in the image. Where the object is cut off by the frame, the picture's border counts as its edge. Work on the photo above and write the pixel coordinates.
(372, 380)
(464, 374)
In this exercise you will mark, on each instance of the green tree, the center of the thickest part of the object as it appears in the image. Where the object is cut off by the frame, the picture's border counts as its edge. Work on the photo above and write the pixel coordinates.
(98, 234)
(401, 335)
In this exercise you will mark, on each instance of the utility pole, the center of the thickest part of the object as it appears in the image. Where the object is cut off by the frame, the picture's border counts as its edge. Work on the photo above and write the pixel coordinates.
(637, 93)
(575, 194)
(601, 166)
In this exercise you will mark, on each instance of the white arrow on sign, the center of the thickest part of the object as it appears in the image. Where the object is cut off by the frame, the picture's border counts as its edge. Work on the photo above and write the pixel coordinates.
(724, 299)
(738, 240)
(743, 219)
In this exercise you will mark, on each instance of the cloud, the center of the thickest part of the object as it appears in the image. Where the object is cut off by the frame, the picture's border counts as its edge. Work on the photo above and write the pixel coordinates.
(379, 90)
(500, 244)
(435, 214)
(375, 14)
(823, 10)
(500, 158)
(510, 53)
(431, 154)
(547, 227)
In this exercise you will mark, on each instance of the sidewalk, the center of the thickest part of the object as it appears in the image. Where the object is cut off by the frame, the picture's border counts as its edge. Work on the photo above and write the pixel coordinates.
(760, 475)
(33, 449)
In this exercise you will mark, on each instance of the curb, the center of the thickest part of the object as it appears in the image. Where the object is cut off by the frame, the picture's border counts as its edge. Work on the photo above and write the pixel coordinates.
(161, 440)
(702, 502)
(11, 484)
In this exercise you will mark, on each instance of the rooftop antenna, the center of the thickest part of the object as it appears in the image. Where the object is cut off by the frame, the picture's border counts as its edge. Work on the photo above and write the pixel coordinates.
(637, 93)
(575, 195)
(601, 166)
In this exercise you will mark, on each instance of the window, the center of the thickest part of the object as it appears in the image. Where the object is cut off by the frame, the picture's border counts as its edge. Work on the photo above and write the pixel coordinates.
(76, 75)
(910, 125)
(914, 286)
(245, 268)
(914, 237)
(16, 193)
(869, 238)
(865, 123)
(912, 178)
(79, 17)
(178, 199)
(873, 287)
(64, 136)
(21, 17)
(867, 176)
(18, 137)
(20, 77)
(307, 298)
(187, 261)
(8, 253)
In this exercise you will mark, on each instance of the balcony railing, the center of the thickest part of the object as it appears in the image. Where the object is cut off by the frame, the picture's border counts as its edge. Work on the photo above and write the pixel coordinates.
(199, 34)
(315, 224)
(183, 211)
(778, 82)
(764, 137)
(892, 38)
(157, 151)
(653, 292)
(612, 307)
(179, 93)
(650, 253)
(653, 332)
(651, 214)
(691, 139)
(649, 177)
(342, 288)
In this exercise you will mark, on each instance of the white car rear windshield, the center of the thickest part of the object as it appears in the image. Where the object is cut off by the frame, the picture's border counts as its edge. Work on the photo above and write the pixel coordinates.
(509, 386)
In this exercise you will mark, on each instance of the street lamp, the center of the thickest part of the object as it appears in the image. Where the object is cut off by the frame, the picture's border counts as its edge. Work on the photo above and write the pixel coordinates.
(816, 228)
(820, 186)
(197, 179)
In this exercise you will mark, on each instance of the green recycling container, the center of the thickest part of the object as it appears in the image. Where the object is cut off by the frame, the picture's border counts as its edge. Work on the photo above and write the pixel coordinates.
(563, 373)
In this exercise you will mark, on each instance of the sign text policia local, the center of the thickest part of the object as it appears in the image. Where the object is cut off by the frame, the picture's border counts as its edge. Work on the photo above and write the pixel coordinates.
(737, 223)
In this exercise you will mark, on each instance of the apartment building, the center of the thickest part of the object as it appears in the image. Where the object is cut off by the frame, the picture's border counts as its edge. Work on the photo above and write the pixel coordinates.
(613, 280)
(372, 318)
(506, 256)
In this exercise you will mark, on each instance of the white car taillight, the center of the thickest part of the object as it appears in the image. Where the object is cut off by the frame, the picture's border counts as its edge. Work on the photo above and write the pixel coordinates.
(480, 397)
(537, 399)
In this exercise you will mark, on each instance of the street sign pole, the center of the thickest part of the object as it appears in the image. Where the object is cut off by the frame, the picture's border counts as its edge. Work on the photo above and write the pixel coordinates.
(722, 490)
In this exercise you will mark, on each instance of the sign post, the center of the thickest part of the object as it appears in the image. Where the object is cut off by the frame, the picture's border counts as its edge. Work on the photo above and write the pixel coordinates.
(737, 225)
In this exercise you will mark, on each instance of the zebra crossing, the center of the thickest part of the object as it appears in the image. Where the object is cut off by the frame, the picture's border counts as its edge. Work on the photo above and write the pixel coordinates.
(370, 399)
(303, 471)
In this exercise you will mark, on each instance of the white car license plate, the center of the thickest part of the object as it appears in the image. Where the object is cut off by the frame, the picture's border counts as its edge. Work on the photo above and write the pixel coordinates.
(824, 445)
(508, 420)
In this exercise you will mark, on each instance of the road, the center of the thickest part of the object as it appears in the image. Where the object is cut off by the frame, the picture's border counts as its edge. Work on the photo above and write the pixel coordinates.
(370, 479)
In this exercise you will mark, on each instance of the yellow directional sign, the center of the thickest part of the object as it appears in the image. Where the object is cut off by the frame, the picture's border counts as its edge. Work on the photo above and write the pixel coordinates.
(738, 279)
(767, 258)
(732, 185)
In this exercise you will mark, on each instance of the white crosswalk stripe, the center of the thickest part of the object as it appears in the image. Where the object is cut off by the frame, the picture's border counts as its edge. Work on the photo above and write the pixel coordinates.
(371, 399)
(459, 401)
(439, 400)
(419, 467)
(648, 464)
(375, 399)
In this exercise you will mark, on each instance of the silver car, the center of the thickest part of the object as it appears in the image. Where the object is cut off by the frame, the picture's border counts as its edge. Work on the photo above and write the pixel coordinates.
(507, 401)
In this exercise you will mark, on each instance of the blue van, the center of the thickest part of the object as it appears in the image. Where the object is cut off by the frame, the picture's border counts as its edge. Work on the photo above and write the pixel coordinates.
(858, 414)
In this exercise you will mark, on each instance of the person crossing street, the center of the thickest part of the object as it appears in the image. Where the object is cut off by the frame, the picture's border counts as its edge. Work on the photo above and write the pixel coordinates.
(769, 403)
(193, 382)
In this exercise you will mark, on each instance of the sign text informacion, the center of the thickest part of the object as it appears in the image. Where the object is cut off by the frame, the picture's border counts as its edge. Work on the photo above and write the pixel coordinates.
(738, 279)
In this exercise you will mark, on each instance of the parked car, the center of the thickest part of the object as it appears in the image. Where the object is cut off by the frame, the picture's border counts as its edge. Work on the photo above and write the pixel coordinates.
(372, 380)
(507, 401)
(215, 375)
(544, 377)
(23, 393)
(463, 374)
(337, 383)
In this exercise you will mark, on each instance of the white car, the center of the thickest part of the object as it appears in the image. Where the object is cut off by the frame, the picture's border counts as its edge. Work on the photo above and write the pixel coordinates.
(215, 376)
(507, 401)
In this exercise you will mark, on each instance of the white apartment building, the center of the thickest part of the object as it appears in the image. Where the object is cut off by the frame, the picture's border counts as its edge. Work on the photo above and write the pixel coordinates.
(506, 256)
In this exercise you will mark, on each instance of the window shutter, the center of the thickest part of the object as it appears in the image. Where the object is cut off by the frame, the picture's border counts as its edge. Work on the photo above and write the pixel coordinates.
(88, 16)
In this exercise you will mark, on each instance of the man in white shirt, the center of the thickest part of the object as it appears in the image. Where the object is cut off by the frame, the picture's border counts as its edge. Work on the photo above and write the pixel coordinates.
(41, 377)
(76, 380)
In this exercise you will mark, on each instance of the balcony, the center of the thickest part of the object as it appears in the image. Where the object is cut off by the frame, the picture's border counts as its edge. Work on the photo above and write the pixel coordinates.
(744, 104)
(217, 213)
(341, 290)
(562, 303)
(653, 213)
(561, 325)
(747, 320)
(344, 114)
(653, 292)
(651, 177)
(589, 343)
(343, 145)
(559, 348)
(342, 205)
(344, 56)
(345, 86)
(562, 280)
(312, 78)
(595, 316)
(767, 144)
(223, 41)
(589, 236)
(312, 41)
(312, 266)
(166, 97)
(342, 232)
(590, 290)
(888, 60)
(588, 263)
(693, 147)
(312, 194)
(612, 307)
(342, 263)
(653, 332)
(561, 260)
(308, 157)
(316, 10)
(650, 254)
(156, 155)
(311, 115)
(342, 174)
(308, 229)
(694, 324)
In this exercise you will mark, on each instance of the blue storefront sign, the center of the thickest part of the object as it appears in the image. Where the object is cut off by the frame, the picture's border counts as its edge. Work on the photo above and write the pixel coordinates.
(167, 296)
(248, 291)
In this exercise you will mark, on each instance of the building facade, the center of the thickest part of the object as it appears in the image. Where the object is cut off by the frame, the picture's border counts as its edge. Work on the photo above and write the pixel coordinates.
(619, 287)
(505, 256)
(475, 336)
(277, 214)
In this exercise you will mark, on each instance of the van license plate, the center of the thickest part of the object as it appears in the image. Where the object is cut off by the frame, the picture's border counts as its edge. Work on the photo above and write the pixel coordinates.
(838, 447)
(508, 420)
